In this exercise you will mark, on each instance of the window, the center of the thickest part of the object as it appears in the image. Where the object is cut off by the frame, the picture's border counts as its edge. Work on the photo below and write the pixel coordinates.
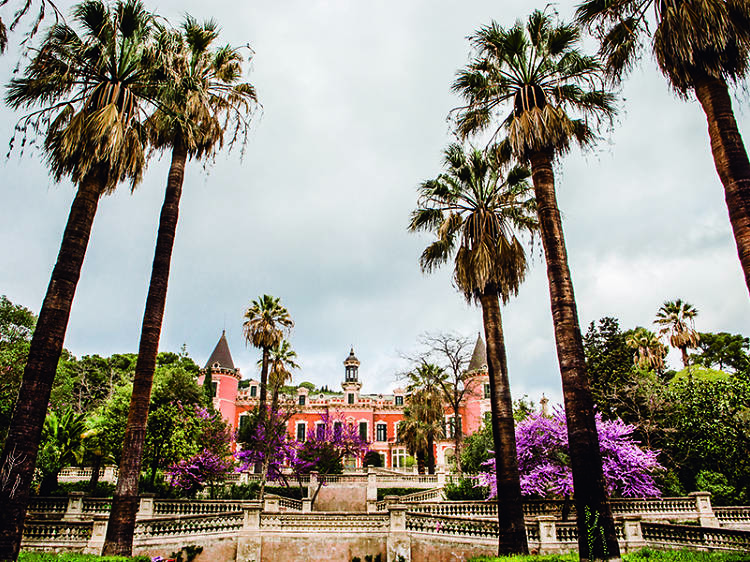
(350, 398)
(399, 400)
(337, 425)
(243, 421)
(214, 389)
(452, 425)
(253, 391)
(301, 431)
(363, 431)
(301, 400)
(398, 458)
(382, 432)
(486, 390)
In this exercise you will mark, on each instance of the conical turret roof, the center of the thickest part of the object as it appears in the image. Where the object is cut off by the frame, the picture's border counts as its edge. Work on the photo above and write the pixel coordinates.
(479, 357)
(221, 354)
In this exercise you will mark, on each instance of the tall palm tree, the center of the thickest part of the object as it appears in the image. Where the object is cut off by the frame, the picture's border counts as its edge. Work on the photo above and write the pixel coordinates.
(649, 351)
(676, 320)
(89, 88)
(475, 214)
(201, 97)
(422, 424)
(700, 47)
(281, 360)
(426, 405)
(266, 324)
(531, 81)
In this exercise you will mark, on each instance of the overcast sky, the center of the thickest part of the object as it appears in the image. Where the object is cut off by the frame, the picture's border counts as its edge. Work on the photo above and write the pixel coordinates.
(355, 97)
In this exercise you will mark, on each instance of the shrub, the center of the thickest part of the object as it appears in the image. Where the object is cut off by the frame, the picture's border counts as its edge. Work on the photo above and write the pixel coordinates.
(383, 492)
(465, 489)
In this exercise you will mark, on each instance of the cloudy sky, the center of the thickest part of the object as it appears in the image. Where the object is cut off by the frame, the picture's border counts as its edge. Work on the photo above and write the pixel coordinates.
(355, 97)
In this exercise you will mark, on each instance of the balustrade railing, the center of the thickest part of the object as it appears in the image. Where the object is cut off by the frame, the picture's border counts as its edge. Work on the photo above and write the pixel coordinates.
(325, 522)
(97, 506)
(290, 503)
(172, 508)
(660, 534)
(47, 505)
(453, 526)
(728, 515)
(35, 532)
(191, 525)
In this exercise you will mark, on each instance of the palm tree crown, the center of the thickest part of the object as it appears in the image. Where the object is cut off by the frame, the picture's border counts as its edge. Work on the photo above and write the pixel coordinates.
(203, 96)
(690, 37)
(91, 89)
(536, 72)
(266, 322)
(676, 320)
(475, 213)
(282, 359)
(649, 351)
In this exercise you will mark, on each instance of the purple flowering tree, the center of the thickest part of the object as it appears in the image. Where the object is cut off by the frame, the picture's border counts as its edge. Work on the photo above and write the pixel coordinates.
(192, 474)
(544, 461)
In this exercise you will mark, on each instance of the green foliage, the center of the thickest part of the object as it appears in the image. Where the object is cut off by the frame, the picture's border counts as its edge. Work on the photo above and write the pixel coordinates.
(643, 555)
(61, 446)
(464, 490)
(372, 458)
(186, 553)
(383, 492)
(102, 490)
(293, 492)
(239, 492)
(609, 361)
(308, 385)
(723, 351)
(722, 492)
(16, 327)
(475, 449)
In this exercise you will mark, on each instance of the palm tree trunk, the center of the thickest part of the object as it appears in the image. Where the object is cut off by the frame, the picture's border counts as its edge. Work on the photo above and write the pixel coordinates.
(121, 526)
(22, 442)
(730, 159)
(512, 530)
(94, 480)
(430, 453)
(263, 383)
(457, 435)
(585, 457)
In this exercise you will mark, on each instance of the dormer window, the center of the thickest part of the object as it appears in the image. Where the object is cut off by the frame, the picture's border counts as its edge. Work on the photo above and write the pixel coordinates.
(399, 400)
(301, 399)
(350, 398)
(253, 391)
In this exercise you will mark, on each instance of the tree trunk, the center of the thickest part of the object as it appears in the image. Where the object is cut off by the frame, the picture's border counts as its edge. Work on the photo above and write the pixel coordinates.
(592, 509)
(94, 480)
(430, 453)
(263, 384)
(512, 530)
(22, 442)
(730, 159)
(457, 435)
(121, 526)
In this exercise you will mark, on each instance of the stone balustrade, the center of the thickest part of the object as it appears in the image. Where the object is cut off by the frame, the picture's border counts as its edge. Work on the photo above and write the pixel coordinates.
(179, 508)
(733, 517)
(83, 474)
(704, 538)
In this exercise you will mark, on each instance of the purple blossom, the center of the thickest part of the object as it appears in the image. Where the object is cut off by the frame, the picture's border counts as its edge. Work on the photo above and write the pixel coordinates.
(543, 459)
(190, 475)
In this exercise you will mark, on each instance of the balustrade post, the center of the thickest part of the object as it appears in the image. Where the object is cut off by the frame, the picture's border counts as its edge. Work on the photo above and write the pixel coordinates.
(109, 474)
(249, 539)
(399, 542)
(313, 485)
(146, 506)
(441, 478)
(372, 485)
(98, 534)
(633, 533)
(244, 478)
(74, 509)
(271, 504)
(372, 505)
(706, 515)
(547, 534)
(306, 505)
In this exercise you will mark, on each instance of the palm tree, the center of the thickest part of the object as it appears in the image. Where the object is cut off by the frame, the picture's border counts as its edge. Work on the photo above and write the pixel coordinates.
(89, 89)
(700, 47)
(528, 80)
(474, 214)
(426, 408)
(281, 361)
(649, 351)
(62, 445)
(675, 319)
(200, 99)
(44, 6)
(266, 323)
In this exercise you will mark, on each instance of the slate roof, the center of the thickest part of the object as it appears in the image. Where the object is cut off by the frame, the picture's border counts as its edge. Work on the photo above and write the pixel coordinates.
(479, 357)
(221, 354)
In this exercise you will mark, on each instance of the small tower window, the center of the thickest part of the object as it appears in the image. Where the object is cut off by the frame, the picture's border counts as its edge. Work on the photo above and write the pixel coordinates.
(350, 398)
(486, 390)
(301, 400)
(399, 400)
(253, 391)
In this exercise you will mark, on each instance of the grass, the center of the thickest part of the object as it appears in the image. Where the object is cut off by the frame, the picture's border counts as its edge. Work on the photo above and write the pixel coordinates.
(643, 555)
(72, 557)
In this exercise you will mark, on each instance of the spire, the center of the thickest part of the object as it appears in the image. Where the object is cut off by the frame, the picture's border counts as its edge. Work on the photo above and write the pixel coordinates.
(479, 357)
(221, 354)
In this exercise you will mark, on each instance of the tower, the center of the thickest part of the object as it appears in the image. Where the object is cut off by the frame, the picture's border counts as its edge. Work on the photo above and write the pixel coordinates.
(225, 378)
(351, 384)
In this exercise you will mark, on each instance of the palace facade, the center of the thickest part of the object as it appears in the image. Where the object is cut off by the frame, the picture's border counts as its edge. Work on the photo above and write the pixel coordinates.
(375, 415)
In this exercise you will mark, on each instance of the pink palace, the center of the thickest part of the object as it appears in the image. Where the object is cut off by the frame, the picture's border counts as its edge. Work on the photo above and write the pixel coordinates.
(375, 415)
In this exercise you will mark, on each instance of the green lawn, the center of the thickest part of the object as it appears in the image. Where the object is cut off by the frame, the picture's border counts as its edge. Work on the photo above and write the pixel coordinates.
(644, 555)
(70, 557)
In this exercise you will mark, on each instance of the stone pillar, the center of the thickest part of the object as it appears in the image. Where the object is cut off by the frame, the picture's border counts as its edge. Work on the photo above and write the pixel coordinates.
(271, 504)
(633, 533)
(399, 542)
(441, 477)
(98, 534)
(306, 505)
(706, 515)
(146, 506)
(249, 539)
(372, 505)
(547, 534)
(74, 509)
(372, 485)
(313, 483)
